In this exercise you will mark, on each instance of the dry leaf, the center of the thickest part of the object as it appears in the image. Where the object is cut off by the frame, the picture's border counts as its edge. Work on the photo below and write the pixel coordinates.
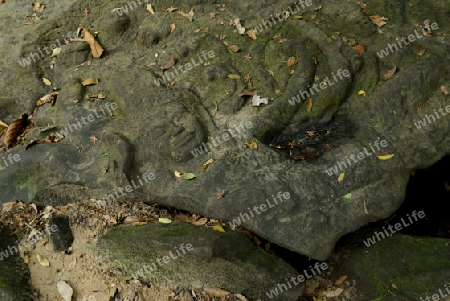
(42, 260)
(46, 81)
(172, 27)
(257, 100)
(340, 280)
(90, 81)
(444, 90)
(233, 48)
(150, 9)
(200, 222)
(218, 228)
(394, 286)
(389, 74)
(248, 92)
(96, 49)
(309, 104)
(38, 8)
(270, 72)
(186, 176)
(385, 157)
(26, 258)
(164, 220)
(251, 33)
(7, 206)
(205, 165)
(72, 264)
(49, 98)
(191, 14)
(253, 144)
(360, 49)
(171, 9)
(233, 76)
(239, 27)
(2, 126)
(170, 63)
(341, 177)
(332, 293)
(421, 52)
(216, 292)
(14, 130)
(290, 61)
(378, 20)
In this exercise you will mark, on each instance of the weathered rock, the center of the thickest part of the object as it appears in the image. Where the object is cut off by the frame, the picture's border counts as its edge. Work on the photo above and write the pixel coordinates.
(186, 256)
(62, 238)
(15, 282)
(161, 121)
(418, 266)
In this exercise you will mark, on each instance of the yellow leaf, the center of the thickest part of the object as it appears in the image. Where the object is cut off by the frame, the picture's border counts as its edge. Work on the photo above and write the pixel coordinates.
(298, 17)
(292, 71)
(164, 220)
(233, 76)
(42, 260)
(341, 177)
(251, 34)
(47, 82)
(172, 27)
(290, 61)
(253, 144)
(394, 286)
(385, 157)
(218, 228)
(90, 81)
(205, 165)
(26, 258)
(270, 72)
(309, 104)
(362, 92)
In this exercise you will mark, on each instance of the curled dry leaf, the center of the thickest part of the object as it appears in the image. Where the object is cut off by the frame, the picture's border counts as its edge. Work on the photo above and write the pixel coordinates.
(90, 81)
(239, 27)
(233, 48)
(172, 27)
(96, 49)
(444, 90)
(378, 20)
(270, 72)
(205, 165)
(389, 74)
(49, 98)
(14, 130)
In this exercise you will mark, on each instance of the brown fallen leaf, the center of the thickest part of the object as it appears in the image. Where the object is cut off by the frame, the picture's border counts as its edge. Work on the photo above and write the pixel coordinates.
(248, 92)
(233, 48)
(172, 27)
(270, 72)
(96, 49)
(170, 63)
(49, 98)
(340, 280)
(444, 90)
(360, 49)
(378, 20)
(200, 222)
(14, 130)
(171, 9)
(389, 74)
(421, 52)
(309, 104)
